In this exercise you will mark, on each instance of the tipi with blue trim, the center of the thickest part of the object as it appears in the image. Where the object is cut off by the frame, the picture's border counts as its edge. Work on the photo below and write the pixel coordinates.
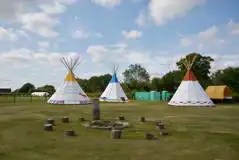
(114, 91)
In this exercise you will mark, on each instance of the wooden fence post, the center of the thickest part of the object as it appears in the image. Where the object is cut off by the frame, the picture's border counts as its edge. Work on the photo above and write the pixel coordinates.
(31, 98)
(14, 98)
(96, 109)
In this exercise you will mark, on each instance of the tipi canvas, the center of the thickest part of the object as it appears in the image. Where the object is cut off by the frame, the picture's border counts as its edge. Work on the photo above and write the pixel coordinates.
(70, 91)
(190, 92)
(114, 91)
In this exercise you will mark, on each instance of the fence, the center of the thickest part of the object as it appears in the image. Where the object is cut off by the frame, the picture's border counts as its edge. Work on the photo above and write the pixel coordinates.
(14, 98)
(17, 98)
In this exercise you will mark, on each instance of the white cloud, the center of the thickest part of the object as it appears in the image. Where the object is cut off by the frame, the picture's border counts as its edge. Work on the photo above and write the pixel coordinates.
(119, 45)
(156, 63)
(185, 42)
(209, 43)
(26, 56)
(55, 8)
(223, 61)
(139, 57)
(7, 34)
(39, 23)
(11, 34)
(123, 55)
(82, 34)
(44, 44)
(22, 33)
(107, 3)
(36, 67)
(98, 53)
(67, 2)
(132, 34)
(118, 54)
(20, 55)
(234, 27)
(10, 10)
(97, 35)
(206, 38)
(162, 11)
(142, 19)
(159, 63)
(209, 33)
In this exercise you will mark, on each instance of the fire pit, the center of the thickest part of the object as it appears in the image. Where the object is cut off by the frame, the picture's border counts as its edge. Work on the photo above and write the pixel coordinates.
(101, 124)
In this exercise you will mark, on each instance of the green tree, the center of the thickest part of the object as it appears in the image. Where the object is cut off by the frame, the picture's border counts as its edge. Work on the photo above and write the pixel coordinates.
(84, 84)
(137, 73)
(16, 91)
(27, 88)
(95, 83)
(125, 87)
(156, 84)
(137, 78)
(169, 81)
(228, 76)
(47, 88)
(201, 67)
(104, 81)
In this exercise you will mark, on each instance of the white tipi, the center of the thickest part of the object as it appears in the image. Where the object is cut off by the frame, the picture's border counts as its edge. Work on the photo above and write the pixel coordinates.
(70, 91)
(114, 91)
(190, 92)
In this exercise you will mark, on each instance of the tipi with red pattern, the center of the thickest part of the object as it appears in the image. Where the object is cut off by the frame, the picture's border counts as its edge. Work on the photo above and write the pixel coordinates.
(190, 92)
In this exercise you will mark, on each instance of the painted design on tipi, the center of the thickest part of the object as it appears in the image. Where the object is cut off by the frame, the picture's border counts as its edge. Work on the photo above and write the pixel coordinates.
(190, 92)
(114, 91)
(70, 91)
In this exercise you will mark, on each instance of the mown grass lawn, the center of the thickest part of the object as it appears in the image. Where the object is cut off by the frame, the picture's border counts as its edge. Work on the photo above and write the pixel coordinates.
(197, 133)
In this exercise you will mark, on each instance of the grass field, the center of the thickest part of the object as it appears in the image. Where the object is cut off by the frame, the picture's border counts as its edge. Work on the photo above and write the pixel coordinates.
(197, 133)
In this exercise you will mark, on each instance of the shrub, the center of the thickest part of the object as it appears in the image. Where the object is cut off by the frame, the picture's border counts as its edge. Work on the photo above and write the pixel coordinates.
(235, 99)
(94, 95)
(129, 95)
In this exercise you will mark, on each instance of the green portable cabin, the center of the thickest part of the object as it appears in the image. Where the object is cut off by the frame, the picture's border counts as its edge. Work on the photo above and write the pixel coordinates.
(165, 95)
(155, 96)
(145, 96)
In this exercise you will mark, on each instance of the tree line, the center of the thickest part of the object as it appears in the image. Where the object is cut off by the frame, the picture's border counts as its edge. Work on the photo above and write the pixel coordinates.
(28, 88)
(137, 78)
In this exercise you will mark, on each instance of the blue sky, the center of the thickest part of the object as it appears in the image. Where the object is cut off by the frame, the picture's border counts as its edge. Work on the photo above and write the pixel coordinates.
(34, 34)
